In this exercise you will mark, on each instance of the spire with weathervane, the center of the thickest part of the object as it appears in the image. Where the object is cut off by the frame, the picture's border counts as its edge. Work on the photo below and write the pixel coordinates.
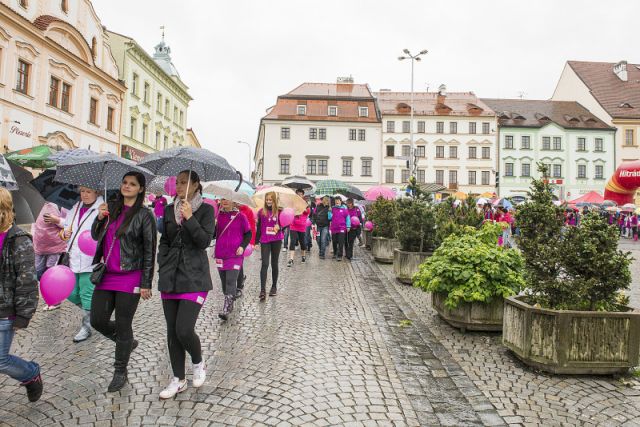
(162, 56)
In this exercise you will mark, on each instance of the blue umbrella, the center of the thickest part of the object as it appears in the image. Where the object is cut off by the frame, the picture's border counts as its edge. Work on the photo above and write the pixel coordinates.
(504, 203)
(231, 185)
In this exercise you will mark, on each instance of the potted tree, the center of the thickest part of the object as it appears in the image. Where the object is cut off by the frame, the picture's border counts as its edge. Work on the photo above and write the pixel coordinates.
(469, 276)
(453, 215)
(573, 318)
(415, 230)
(383, 215)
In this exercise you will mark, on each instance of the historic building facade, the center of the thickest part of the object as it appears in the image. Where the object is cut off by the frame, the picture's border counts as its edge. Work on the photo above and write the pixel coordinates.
(58, 78)
(454, 140)
(576, 146)
(321, 131)
(155, 108)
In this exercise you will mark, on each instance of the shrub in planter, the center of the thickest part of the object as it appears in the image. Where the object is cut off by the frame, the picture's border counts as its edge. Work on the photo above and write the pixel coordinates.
(453, 215)
(383, 214)
(471, 267)
(415, 231)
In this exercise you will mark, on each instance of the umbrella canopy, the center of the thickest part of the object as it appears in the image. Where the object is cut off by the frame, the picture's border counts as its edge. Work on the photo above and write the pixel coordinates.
(482, 201)
(27, 200)
(103, 171)
(63, 195)
(504, 203)
(612, 209)
(298, 183)
(287, 198)
(331, 186)
(209, 166)
(488, 195)
(354, 193)
(460, 195)
(592, 197)
(245, 187)
(76, 153)
(629, 207)
(157, 185)
(374, 193)
(608, 203)
(34, 157)
(7, 179)
(226, 190)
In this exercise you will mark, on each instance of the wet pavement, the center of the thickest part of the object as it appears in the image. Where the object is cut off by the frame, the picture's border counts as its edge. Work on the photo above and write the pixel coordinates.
(341, 344)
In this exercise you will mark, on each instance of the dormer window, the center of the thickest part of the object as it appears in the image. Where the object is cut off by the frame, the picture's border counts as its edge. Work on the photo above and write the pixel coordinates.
(302, 110)
(333, 110)
(64, 5)
(625, 105)
(363, 111)
(571, 119)
(24, 3)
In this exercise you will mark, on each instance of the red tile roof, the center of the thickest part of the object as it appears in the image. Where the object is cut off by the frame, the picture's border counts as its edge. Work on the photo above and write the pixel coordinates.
(611, 92)
(536, 114)
(331, 90)
(431, 104)
(43, 21)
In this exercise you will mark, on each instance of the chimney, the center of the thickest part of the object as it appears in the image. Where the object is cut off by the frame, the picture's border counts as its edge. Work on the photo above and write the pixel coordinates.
(345, 80)
(620, 69)
(442, 94)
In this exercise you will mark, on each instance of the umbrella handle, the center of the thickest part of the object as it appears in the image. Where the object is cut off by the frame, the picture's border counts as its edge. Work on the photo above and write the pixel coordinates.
(239, 181)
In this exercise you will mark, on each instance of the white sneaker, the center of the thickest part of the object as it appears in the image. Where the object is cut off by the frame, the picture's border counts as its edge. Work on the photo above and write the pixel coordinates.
(175, 386)
(199, 374)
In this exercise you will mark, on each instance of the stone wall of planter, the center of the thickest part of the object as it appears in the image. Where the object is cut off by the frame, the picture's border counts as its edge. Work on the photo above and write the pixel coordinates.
(367, 239)
(406, 264)
(382, 249)
(572, 342)
(473, 316)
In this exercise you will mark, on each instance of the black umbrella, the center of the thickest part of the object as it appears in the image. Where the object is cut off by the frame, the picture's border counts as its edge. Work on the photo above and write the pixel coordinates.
(299, 183)
(353, 192)
(63, 195)
(209, 166)
(27, 201)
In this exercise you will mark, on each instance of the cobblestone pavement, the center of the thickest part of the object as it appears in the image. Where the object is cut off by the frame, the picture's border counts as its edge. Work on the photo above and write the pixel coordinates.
(341, 344)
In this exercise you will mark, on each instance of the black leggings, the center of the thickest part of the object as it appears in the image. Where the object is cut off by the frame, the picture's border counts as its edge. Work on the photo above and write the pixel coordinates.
(269, 250)
(181, 317)
(125, 305)
(351, 240)
(338, 240)
(296, 237)
(229, 279)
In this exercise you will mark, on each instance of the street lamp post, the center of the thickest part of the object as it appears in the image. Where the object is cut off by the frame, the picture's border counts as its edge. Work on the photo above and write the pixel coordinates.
(248, 145)
(412, 155)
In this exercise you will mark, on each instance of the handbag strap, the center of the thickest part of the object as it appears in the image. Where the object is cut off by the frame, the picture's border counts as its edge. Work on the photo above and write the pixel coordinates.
(112, 241)
(86, 217)
(227, 226)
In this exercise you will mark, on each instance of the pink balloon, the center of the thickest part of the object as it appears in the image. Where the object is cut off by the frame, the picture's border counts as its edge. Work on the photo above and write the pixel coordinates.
(355, 221)
(151, 197)
(248, 250)
(86, 243)
(170, 186)
(214, 204)
(368, 226)
(286, 217)
(308, 223)
(56, 284)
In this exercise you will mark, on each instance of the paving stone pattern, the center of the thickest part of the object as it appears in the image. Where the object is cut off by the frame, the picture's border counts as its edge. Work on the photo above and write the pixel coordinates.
(333, 348)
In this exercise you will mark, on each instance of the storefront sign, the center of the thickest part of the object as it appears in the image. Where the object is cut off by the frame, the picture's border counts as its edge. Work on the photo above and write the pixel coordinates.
(132, 153)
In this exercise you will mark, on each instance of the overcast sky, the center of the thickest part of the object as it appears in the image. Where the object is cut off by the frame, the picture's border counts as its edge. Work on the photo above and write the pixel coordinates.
(238, 56)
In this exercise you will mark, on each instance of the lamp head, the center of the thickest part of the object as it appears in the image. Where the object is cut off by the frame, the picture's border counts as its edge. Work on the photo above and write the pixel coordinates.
(400, 58)
(406, 51)
(424, 52)
(418, 59)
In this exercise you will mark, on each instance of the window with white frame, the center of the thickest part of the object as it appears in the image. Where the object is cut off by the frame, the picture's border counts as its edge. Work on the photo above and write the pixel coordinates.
(440, 177)
(582, 144)
(582, 171)
(473, 152)
(362, 135)
(486, 152)
(472, 127)
(352, 134)
(388, 176)
(147, 90)
(421, 127)
(406, 126)
(133, 124)
(24, 72)
(629, 137)
(313, 133)
(598, 145)
(323, 167)
(301, 110)
(453, 152)
(405, 176)
(134, 85)
(472, 177)
(525, 142)
(546, 143)
(366, 167)
(525, 169)
(599, 173)
(346, 167)
(391, 126)
(157, 140)
(312, 167)
(333, 110)
(557, 171)
(453, 177)
(421, 151)
(557, 143)
(363, 111)
(453, 127)
(285, 133)
(439, 127)
(486, 128)
(508, 141)
(508, 169)
(284, 166)
(391, 151)
(486, 177)
(421, 176)
(406, 151)
(145, 132)
(439, 151)
(322, 134)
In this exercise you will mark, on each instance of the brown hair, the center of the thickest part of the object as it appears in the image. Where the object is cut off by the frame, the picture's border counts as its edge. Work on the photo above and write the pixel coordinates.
(274, 207)
(6, 209)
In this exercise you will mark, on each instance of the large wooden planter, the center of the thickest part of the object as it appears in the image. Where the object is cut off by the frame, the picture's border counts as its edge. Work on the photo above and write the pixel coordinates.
(572, 342)
(473, 316)
(382, 249)
(367, 238)
(406, 264)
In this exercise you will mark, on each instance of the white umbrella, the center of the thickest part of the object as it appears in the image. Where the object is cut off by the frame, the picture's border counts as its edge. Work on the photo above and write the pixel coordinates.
(225, 191)
(287, 198)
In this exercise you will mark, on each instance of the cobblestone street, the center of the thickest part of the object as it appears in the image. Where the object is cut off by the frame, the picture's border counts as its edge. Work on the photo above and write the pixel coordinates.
(341, 344)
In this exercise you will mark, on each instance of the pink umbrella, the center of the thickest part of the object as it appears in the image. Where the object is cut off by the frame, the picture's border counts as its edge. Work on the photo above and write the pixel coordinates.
(262, 187)
(379, 191)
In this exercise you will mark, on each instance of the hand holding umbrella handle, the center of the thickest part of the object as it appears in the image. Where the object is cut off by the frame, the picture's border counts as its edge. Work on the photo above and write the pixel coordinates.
(103, 211)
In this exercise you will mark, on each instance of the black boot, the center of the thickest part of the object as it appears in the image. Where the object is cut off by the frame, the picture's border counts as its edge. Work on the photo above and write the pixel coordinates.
(34, 388)
(227, 308)
(123, 352)
(134, 344)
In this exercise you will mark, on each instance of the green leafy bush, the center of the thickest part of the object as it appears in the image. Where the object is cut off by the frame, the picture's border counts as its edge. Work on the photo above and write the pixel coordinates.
(415, 225)
(452, 217)
(573, 268)
(469, 266)
(383, 215)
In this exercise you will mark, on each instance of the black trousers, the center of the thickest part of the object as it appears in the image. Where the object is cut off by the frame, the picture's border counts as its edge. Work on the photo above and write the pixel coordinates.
(351, 240)
(270, 251)
(181, 317)
(296, 237)
(229, 279)
(103, 304)
(338, 240)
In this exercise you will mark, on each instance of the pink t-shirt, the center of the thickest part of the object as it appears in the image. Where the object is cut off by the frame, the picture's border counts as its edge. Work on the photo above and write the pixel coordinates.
(158, 206)
(115, 279)
(197, 297)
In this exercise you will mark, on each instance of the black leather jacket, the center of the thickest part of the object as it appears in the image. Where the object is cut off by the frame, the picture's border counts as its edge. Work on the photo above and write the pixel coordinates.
(137, 245)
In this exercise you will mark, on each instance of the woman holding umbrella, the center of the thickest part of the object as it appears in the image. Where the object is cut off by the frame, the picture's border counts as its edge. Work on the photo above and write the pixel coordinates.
(184, 277)
(126, 235)
(269, 236)
(233, 235)
(298, 232)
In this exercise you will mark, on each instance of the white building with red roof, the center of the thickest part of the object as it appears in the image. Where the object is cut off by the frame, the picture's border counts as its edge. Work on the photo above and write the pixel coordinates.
(321, 131)
(58, 79)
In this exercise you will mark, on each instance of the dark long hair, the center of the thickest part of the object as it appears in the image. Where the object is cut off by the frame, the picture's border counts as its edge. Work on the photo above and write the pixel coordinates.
(119, 203)
(194, 178)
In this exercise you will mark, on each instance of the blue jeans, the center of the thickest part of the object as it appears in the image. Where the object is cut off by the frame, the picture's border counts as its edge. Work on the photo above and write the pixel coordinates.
(286, 237)
(323, 239)
(160, 224)
(13, 366)
(307, 238)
